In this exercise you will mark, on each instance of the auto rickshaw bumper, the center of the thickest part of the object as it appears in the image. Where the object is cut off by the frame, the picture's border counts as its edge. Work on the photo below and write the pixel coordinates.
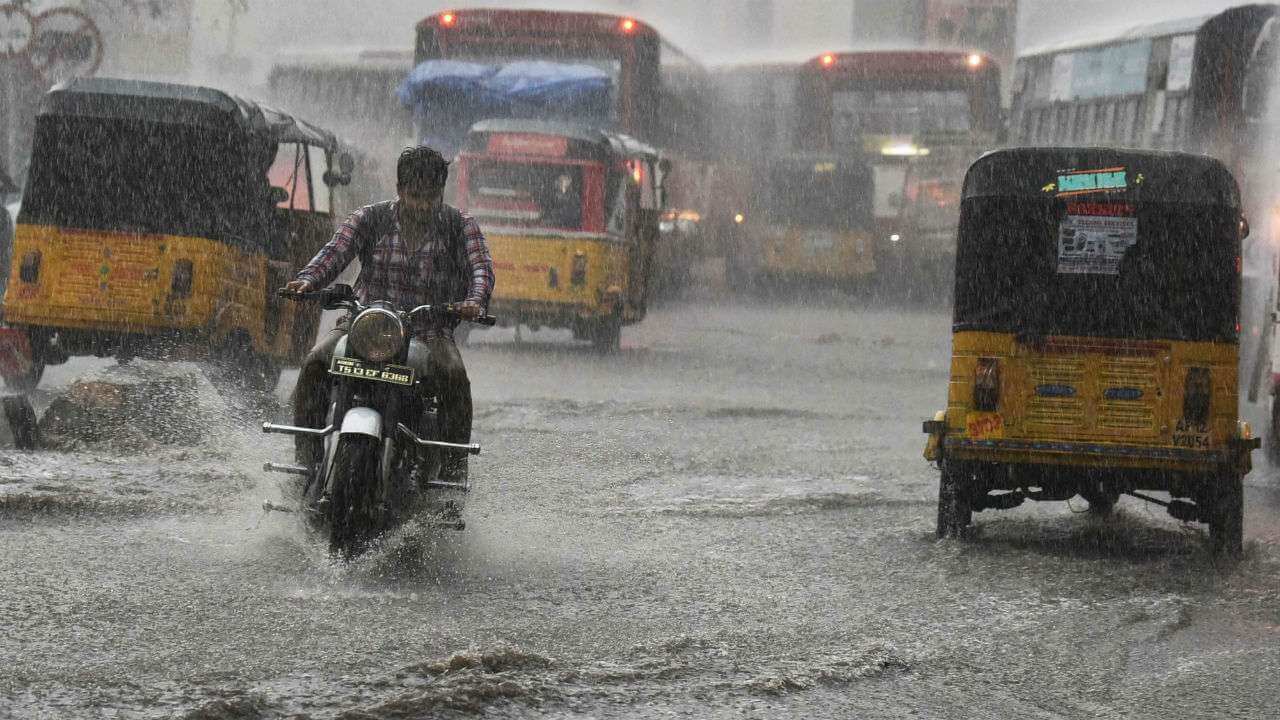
(1089, 455)
(555, 313)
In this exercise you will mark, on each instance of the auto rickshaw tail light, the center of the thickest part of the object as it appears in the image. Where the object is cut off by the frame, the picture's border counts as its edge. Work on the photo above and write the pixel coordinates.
(183, 275)
(578, 276)
(986, 385)
(29, 270)
(1196, 396)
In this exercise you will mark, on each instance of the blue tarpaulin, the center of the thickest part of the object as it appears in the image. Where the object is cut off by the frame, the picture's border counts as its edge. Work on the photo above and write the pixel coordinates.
(449, 96)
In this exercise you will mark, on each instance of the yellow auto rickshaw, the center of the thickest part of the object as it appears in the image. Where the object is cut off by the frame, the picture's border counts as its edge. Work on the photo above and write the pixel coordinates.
(571, 216)
(808, 219)
(1096, 337)
(157, 221)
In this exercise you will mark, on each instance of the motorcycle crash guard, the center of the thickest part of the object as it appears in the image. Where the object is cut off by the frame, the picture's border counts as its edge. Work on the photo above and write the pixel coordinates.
(362, 421)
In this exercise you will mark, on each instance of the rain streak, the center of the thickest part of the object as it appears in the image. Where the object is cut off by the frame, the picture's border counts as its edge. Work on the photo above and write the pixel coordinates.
(638, 359)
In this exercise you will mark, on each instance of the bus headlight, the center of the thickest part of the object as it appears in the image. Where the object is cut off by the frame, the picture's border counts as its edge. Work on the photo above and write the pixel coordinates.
(376, 335)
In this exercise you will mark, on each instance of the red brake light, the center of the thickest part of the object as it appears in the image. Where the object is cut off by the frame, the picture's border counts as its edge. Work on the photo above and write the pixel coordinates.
(627, 25)
(448, 19)
(986, 384)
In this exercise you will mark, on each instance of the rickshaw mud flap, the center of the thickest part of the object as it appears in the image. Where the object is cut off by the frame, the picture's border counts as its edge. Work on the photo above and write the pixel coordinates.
(1091, 449)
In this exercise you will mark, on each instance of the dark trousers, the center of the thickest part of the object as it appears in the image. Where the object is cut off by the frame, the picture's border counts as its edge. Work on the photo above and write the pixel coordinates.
(444, 373)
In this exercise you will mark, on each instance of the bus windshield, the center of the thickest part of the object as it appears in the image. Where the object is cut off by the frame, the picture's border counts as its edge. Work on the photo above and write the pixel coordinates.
(502, 56)
(857, 113)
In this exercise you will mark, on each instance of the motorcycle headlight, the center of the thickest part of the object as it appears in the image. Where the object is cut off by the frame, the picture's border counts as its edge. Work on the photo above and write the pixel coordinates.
(376, 335)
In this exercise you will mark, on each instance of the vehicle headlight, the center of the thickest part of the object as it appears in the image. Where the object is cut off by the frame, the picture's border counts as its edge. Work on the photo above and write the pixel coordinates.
(376, 335)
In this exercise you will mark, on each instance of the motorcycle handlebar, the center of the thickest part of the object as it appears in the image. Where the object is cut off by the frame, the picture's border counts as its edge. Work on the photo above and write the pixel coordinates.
(329, 297)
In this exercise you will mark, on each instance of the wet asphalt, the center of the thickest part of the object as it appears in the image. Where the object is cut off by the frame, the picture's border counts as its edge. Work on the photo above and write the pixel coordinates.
(730, 518)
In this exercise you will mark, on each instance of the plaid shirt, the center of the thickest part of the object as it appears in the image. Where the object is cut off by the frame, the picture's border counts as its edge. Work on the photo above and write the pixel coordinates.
(394, 273)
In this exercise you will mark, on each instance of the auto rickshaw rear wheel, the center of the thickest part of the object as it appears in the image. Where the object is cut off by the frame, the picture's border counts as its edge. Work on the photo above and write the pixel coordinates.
(238, 367)
(1226, 515)
(607, 333)
(1101, 501)
(955, 499)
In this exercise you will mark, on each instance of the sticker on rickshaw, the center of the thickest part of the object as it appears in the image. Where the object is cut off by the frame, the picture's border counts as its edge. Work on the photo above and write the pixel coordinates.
(983, 426)
(1080, 182)
(1194, 436)
(1094, 237)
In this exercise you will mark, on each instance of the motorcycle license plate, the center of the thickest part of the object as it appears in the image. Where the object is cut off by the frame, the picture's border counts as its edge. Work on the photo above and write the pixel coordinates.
(353, 368)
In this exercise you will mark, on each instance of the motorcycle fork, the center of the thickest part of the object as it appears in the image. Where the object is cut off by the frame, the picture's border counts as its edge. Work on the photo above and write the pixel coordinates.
(340, 397)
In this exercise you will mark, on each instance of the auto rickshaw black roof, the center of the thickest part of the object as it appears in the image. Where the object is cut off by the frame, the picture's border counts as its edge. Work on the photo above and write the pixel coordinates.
(1099, 242)
(1165, 176)
(191, 105)
(604, 139)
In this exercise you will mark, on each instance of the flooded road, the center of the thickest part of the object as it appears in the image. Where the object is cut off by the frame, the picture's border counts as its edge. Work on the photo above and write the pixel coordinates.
(732, 518)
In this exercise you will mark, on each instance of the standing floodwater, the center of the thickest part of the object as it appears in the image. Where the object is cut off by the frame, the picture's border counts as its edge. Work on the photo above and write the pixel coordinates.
(731, 517)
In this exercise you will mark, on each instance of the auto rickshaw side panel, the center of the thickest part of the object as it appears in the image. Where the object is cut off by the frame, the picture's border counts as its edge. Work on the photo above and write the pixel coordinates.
(135, 284)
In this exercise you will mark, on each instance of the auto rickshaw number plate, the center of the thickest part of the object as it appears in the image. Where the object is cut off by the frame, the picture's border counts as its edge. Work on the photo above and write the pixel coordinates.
(360, 370)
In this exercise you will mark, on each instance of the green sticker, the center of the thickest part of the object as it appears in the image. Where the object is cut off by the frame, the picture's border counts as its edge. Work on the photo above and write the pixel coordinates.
(1092, 181)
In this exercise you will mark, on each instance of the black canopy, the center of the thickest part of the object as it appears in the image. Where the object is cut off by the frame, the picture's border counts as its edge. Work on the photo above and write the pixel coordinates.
(1097, 242)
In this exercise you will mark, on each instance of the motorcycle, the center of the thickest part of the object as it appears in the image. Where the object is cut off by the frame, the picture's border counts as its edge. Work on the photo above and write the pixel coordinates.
(379, 430)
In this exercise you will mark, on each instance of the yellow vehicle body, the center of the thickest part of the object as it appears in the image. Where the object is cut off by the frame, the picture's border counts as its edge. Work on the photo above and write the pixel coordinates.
(837, 256)
(1092, 403)
(538, 282)
(571, 214)
(159, 220)
(120, 283)
(1095, 338)
(809, 219)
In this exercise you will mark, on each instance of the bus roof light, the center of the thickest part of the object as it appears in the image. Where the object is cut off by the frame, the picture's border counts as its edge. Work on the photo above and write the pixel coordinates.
(628, 25)
(828, 60)
(974, 60)
(448, 19)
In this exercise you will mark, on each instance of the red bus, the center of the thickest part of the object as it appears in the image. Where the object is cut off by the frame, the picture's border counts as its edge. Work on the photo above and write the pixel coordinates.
(659, 95)
(921, 116)
(659, 92)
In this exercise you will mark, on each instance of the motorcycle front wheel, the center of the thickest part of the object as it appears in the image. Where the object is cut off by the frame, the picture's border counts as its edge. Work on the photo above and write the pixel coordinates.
(355, 515)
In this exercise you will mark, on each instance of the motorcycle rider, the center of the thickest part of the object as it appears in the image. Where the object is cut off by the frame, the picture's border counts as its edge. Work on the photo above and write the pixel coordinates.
(413, 250)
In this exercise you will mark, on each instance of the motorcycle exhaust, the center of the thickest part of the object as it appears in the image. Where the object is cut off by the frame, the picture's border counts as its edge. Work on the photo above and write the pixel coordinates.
(473, 448)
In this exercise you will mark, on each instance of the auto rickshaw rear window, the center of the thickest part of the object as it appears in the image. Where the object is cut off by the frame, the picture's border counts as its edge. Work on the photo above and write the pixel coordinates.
(547, 195)
(818, 194)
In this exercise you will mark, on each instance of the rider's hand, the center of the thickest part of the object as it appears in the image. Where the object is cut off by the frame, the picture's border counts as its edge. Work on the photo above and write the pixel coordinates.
(470, 310)
(298, 286)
